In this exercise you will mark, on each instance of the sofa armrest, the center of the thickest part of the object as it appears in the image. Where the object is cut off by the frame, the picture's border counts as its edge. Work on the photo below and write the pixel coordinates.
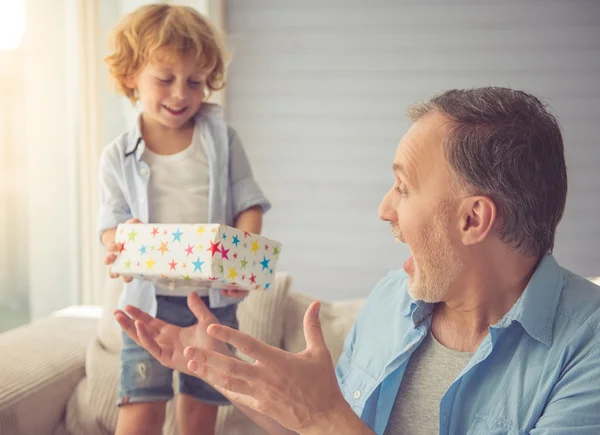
(40, 365)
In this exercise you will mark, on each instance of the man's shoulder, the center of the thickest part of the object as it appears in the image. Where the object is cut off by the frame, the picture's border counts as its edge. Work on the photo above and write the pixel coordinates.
(580, 301)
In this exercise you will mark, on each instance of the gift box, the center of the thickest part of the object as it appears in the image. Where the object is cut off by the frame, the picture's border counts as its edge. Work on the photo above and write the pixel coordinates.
(196, 255)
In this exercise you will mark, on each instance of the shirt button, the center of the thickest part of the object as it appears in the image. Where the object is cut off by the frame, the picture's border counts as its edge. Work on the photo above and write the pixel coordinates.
(357, 394)
(143, 171)
(408, 346)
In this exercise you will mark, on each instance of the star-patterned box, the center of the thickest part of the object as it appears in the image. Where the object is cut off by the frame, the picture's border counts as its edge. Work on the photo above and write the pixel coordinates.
(196, 255)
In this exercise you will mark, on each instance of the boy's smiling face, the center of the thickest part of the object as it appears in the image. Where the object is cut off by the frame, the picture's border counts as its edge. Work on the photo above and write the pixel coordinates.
(171, 90)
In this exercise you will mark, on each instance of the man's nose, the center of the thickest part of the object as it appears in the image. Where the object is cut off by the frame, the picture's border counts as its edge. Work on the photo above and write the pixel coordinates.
(387, 210)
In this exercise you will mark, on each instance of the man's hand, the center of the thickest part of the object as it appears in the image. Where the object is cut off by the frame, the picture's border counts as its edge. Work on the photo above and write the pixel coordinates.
(166, 342)
(112, 248)
(300, 391)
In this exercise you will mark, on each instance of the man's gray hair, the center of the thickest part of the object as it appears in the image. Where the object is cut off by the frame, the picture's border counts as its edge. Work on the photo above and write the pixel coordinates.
(506, 145)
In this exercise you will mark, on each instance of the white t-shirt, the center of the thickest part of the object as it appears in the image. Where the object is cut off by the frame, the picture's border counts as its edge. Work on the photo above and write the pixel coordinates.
(178, 193)
(178, 186)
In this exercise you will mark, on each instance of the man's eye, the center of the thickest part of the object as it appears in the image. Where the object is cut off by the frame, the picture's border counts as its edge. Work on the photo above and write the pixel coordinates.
(401, 190)
(194, 83)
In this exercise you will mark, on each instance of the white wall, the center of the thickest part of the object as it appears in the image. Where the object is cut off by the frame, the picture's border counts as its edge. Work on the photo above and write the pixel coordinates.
(318, 89)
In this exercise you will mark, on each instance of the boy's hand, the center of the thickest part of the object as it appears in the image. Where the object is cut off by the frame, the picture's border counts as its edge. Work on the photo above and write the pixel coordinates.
(234, 293)
(113, 248)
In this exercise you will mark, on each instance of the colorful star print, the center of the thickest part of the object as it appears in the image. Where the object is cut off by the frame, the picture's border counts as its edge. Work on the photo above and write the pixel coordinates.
(198, 265)
(214, 248)
(232, 273)
(265, 263)
(177, 236)
(245, 259)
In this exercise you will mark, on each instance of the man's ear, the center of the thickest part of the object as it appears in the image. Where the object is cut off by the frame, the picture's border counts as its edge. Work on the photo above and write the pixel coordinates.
(478, 216)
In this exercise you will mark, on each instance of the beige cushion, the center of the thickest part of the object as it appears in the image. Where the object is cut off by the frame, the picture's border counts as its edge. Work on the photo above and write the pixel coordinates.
(92, 408)
(336, 320)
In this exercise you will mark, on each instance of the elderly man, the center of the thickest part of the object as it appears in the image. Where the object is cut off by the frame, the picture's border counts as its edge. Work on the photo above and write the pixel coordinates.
(481, 333)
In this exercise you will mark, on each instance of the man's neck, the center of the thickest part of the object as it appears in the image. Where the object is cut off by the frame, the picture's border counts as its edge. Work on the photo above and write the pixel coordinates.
(480, 299)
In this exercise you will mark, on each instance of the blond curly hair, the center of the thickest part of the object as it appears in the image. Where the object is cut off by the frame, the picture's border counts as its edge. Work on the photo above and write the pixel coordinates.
(157, 32)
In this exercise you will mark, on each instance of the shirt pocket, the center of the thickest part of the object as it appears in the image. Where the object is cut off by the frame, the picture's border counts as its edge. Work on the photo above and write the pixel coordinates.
(484, 425)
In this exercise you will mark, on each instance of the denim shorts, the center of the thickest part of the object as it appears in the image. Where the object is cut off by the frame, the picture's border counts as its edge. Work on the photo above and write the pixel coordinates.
(144, 379)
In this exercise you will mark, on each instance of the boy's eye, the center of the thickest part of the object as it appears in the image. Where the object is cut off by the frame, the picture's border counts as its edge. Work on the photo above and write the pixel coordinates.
(165, 80)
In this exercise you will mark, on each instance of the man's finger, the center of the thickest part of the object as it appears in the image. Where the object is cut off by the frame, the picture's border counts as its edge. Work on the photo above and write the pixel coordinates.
(140, 315)
(312, 327)
(221, 380)
(244, 343)
(224, 364)
(133, 221)
(147, 342)
(199, 308)
(127, 324)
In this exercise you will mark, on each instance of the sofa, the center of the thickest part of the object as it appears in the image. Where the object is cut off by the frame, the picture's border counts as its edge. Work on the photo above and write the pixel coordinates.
(59, 375)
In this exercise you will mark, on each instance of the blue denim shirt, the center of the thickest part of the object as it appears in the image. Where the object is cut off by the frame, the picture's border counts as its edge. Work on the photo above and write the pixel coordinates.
(536, 372)
(124, 180)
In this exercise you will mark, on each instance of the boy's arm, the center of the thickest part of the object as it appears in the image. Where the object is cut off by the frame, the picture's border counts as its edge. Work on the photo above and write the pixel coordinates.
(245, 192)
(113, 207)
(250, 220)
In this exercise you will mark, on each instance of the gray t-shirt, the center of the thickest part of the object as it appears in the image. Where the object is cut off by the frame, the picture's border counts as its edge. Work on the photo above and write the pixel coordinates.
(431, 370)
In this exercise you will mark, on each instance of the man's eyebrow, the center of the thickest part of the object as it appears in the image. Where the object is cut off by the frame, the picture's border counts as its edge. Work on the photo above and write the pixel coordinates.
(400, 168)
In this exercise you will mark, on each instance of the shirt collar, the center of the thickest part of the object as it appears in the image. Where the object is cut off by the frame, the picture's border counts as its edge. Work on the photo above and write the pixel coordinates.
(135, 142)
(534, 310)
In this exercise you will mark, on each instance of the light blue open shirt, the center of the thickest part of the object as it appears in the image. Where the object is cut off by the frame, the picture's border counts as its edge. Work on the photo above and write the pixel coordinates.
(124, 180)
(536, 372)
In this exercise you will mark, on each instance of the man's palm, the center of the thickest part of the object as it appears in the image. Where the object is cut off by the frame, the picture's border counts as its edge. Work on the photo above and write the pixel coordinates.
(166, 342)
